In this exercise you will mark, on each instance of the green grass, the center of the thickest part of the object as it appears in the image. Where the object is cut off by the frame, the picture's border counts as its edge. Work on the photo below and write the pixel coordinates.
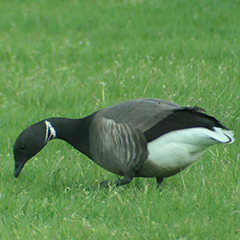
(70, 58)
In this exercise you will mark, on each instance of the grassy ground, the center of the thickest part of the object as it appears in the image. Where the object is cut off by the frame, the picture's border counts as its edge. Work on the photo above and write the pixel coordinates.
(70, 58)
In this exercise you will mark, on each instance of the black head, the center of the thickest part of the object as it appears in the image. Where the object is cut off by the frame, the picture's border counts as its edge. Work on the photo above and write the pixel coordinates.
(30, 142)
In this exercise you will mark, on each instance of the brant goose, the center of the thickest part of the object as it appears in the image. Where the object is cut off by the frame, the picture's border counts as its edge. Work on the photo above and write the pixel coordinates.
(135, 138)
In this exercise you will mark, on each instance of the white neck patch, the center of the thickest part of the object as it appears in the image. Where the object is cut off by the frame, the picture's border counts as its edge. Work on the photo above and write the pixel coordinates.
(50, 131)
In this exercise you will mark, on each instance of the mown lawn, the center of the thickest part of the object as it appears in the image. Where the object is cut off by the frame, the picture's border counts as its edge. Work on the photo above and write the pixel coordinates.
(70, 58)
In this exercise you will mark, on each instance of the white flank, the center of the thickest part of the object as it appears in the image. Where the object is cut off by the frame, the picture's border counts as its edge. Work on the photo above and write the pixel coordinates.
(178, 149)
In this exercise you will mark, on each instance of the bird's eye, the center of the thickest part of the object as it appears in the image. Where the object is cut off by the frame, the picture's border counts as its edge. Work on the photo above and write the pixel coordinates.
(22, 147)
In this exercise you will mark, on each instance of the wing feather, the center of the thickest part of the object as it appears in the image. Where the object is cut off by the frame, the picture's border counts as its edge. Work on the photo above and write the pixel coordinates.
(140, 114)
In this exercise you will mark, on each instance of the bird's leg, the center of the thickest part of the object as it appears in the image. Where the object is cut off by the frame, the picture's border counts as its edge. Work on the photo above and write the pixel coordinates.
(159, 182)
(123, 181)
(120, 182)
(128, 176)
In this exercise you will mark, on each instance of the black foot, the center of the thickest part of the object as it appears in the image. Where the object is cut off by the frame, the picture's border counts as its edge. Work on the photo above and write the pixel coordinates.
(119, 182)
(104, 183)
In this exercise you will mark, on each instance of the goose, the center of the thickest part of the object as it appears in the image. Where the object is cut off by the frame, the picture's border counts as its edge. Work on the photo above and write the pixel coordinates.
(150, 138)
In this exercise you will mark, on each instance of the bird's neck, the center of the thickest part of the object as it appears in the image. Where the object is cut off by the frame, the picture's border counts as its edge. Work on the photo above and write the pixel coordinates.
(73, 131)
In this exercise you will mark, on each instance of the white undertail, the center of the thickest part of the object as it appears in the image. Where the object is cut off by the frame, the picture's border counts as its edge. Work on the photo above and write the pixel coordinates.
(178, 149)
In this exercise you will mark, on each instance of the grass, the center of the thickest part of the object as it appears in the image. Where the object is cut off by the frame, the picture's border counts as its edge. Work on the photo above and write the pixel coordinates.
(70, 58)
